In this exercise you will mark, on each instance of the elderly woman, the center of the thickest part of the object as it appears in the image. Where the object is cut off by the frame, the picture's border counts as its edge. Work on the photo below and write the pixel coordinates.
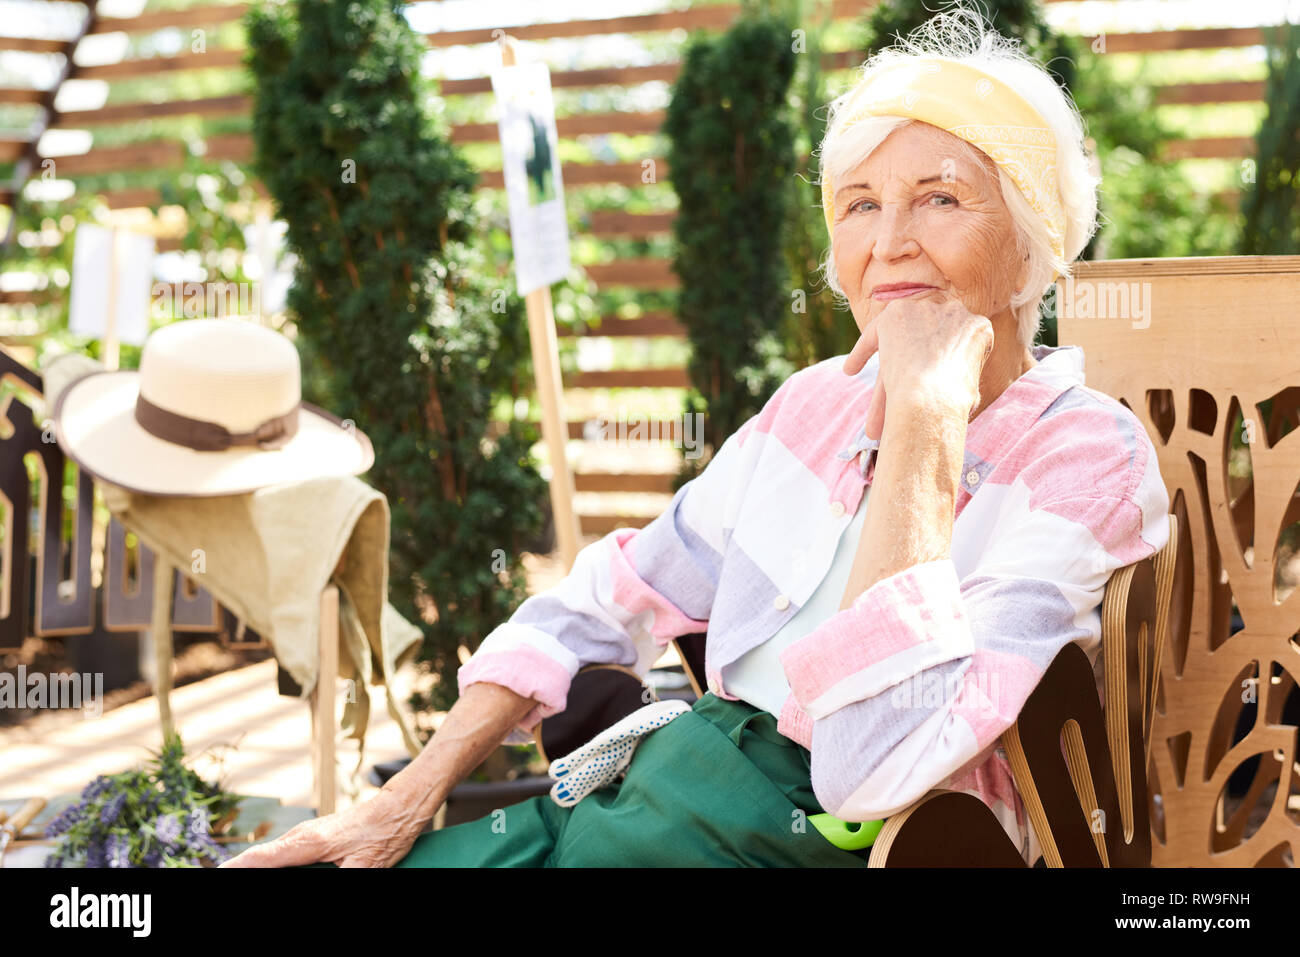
(858, 655)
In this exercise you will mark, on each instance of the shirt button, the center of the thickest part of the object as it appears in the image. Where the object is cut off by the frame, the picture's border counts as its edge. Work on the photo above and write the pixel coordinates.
(837, 509)
(781, 603)
(972, 477)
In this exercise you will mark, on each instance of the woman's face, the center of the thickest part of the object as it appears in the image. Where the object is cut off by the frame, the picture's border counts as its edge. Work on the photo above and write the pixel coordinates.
(923, 217)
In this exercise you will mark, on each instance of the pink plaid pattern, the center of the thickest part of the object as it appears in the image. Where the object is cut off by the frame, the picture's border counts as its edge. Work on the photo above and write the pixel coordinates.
(916, 613)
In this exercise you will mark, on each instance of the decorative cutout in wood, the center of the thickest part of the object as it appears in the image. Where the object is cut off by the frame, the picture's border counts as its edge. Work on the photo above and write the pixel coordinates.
(128, 590)
(64, 599)
(1213, 373)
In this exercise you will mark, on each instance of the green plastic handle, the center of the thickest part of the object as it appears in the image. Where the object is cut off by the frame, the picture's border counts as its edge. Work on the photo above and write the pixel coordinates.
(847, 835)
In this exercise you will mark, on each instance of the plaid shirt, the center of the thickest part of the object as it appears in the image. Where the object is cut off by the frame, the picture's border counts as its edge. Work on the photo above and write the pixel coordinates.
(910, 688)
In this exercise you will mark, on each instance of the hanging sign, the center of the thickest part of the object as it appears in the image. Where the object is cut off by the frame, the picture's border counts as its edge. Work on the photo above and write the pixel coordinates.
(531, 165)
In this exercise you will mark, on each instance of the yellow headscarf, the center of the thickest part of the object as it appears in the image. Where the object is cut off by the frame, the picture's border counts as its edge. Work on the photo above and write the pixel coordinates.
(976, 107)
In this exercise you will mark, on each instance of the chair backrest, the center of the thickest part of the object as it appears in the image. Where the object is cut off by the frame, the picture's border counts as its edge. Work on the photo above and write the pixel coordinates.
(1206, 352)
(1081, 769)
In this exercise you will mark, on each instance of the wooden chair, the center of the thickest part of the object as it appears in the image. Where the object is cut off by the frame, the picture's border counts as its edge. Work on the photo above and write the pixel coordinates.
(1080, 773)
(1212, 369)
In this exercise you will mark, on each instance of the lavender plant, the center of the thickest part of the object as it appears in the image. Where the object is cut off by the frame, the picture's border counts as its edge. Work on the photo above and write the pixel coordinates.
(160, 815)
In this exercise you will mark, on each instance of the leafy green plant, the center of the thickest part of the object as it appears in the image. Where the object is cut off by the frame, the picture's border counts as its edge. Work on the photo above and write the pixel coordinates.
(1271, 205)
(1021, 19)
(731, 158)
(212, 194)
(160, 815)
(817, 325)
(1148, 205)
(42, 249)
(409, 332)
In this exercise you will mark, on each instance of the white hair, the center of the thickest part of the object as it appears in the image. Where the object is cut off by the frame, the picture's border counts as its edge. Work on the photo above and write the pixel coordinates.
(962, 35)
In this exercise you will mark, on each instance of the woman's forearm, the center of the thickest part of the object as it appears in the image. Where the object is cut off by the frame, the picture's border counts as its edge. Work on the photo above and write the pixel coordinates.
(913, 493)
(476, 724)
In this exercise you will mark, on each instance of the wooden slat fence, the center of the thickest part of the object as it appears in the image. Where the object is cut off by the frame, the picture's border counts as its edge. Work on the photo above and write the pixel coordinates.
(639, 274)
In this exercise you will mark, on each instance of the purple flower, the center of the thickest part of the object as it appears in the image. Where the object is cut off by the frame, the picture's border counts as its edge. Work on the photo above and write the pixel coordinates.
(173, 780)
(112, 808)
(153, 857)
(65, 819)
(95, 854)
(168, 829)
(95, 788)
(119, 850)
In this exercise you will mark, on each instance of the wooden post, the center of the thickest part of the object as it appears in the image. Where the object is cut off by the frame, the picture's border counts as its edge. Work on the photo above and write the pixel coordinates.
(550, 393)
(160, 635)
(322, 703)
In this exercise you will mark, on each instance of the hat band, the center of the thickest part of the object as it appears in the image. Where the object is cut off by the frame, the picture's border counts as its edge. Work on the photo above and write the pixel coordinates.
(205, 436)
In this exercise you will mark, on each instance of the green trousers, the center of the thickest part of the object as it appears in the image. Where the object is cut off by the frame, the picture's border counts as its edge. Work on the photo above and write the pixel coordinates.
(716, 787)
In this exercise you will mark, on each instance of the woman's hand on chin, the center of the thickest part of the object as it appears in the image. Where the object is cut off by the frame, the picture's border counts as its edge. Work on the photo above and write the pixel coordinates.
(376, 833)
(932, 355)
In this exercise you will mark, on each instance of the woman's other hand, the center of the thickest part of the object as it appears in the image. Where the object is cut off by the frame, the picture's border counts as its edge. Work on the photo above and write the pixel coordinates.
(376, 833)
(932, 355)
(380, 832)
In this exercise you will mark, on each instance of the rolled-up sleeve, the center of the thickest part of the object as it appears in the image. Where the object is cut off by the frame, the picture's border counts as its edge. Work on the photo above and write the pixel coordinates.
(625, 598)
(915, 682)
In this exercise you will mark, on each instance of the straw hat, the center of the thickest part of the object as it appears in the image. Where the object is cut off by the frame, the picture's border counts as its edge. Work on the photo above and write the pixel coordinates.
(215, 409)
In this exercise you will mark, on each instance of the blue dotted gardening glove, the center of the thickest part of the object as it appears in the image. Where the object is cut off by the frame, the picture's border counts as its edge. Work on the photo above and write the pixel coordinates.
(602, 759)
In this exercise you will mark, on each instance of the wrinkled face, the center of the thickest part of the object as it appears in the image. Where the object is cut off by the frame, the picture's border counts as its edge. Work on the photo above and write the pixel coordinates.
(923, 217)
